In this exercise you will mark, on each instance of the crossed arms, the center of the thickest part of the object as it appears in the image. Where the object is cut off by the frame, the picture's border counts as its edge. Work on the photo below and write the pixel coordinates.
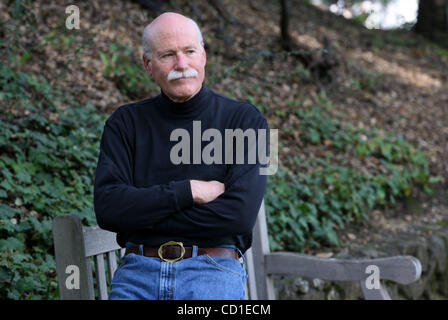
(210, 208)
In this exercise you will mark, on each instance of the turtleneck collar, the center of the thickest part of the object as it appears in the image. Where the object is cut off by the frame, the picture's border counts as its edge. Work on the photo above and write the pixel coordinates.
(189, 107)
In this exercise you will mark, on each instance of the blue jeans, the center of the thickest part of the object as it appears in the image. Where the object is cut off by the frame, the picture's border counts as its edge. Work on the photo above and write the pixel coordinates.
(197, 278)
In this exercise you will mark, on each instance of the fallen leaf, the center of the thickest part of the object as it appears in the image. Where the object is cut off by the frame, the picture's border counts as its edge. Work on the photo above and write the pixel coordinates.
(351, 236)
(324, 254)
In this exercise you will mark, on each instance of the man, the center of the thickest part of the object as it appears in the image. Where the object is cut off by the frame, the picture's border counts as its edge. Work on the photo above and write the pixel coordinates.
(185, 225)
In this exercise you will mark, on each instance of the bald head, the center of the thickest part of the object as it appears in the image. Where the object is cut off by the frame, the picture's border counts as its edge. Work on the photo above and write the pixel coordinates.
(165, 24)
(174, 55)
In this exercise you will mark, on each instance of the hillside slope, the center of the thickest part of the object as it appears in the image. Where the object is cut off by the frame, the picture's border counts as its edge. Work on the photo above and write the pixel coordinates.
(362, 118)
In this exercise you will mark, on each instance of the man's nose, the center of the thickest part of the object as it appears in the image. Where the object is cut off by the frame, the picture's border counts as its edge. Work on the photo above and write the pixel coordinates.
(181, 61)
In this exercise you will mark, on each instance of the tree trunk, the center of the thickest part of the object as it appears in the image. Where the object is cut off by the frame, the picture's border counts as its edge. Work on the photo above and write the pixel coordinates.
(432, 19)
(153, 5)
(284, 26)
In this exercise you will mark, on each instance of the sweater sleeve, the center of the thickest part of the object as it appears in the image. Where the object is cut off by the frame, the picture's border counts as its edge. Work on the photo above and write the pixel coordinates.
(119, 205)
(234, 212)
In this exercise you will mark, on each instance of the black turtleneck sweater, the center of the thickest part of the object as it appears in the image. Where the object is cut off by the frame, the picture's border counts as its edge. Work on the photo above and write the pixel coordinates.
(140, 194)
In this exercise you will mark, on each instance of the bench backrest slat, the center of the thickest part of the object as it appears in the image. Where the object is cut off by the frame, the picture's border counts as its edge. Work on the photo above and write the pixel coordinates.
(100, 277)
(112, 264)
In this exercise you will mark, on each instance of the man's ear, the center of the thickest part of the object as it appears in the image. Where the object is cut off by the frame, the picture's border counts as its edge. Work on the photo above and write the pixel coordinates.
(147, 64)
(203, 52)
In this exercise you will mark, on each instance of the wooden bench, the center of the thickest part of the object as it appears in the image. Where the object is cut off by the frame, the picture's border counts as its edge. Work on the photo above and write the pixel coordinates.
(77, 246)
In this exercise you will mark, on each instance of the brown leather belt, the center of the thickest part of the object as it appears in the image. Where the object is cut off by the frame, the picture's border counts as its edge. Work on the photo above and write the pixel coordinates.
(170, 253)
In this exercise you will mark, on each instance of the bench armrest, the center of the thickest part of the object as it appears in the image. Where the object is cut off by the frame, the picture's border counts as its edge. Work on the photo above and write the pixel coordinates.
(401, 269)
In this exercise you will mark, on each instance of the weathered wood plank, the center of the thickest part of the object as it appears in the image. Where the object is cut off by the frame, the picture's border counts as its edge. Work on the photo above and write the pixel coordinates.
(251, 287)
(111, 264)
(374, 294)
(91, 287)
(70, 257)
(100, 277)
(401, 269)
(260, 249)
(99, 241)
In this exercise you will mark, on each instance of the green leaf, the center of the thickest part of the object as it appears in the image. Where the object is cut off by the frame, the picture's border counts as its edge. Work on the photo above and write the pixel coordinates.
(428, 190)
(434, 179)
(4, 274)
(19, 258)
(23, 176)
(314, 136)
(6, 212)
(11, 244)
(25, 57)
(3, 194)
(104, 59)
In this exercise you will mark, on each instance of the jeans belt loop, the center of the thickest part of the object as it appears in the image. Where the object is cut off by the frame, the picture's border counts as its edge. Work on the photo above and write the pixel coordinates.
(140, 250)
(242, 257)
(195, 251)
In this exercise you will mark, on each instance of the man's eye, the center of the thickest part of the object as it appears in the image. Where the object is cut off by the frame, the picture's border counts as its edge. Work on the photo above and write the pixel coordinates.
(191, 51)
(166, 55)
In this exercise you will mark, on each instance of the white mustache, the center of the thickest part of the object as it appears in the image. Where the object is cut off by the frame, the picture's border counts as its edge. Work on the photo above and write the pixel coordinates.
(189, 73)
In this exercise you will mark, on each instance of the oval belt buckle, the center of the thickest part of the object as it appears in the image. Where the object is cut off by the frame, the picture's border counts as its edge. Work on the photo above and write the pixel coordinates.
(171, 243)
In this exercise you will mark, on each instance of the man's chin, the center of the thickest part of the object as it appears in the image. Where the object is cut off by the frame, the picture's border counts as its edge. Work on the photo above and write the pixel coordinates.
(181, 95)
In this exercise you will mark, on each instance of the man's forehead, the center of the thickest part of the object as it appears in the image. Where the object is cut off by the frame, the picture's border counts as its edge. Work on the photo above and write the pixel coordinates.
(175, 31)
(169, 36)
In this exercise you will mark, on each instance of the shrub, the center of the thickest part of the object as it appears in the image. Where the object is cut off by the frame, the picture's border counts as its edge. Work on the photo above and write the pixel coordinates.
(47, 163)
(305, 207)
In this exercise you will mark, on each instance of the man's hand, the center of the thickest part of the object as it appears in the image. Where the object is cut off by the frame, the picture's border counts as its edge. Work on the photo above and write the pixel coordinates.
(206, 191)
